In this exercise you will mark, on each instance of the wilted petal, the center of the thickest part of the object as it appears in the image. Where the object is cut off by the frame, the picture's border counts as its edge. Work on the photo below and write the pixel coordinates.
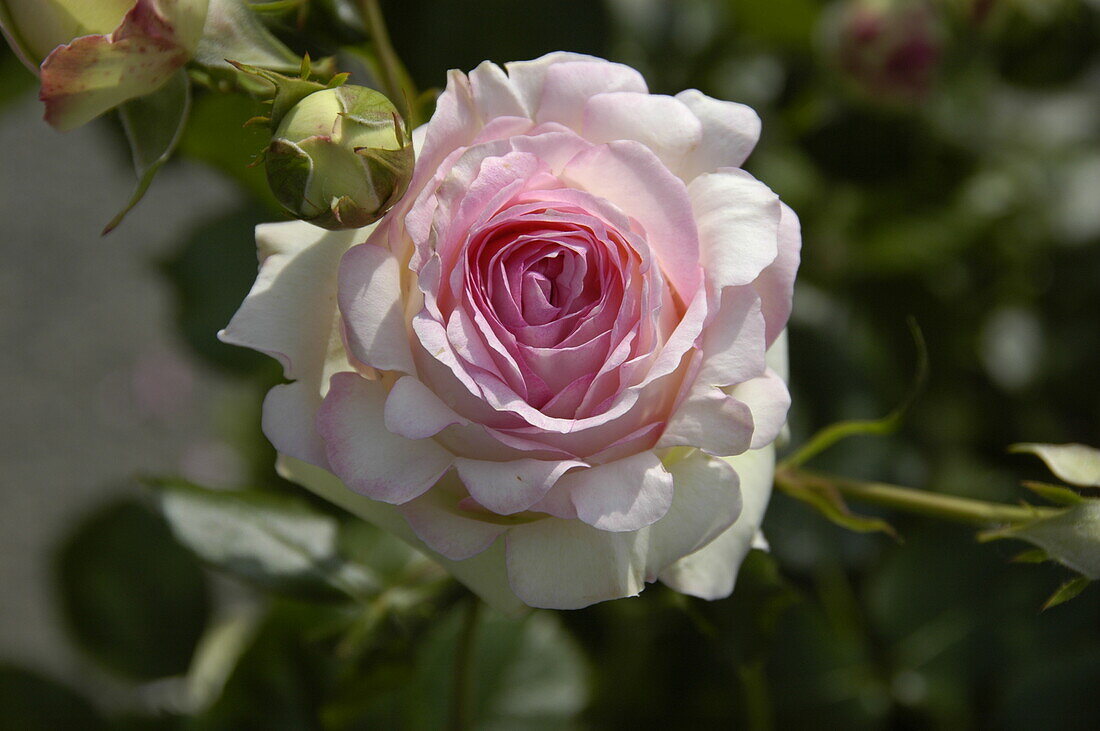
(96, 73)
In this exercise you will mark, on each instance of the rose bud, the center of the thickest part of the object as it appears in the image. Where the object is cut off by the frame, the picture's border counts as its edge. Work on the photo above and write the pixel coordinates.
(888, 49)
(96, 55)
(340, 158)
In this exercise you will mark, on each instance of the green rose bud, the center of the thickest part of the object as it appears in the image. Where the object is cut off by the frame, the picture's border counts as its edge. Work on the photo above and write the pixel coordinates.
(340, 158)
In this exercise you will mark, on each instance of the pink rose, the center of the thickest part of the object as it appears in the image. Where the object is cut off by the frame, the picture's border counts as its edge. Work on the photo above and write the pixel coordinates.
(546, 366)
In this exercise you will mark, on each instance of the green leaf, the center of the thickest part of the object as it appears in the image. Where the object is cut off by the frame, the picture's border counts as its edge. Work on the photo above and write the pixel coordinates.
(133, 598)
(1054, 493)
(834, 433)
(1032, 555)
(30, 701)
(278, 683)
(1072, 537)
(1077, 464)
(233, 32)
(525, 674)
(278, 543)
(1067, 591)
(154, 125)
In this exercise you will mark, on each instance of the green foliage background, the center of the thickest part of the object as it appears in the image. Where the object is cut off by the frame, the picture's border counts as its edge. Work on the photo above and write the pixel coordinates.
(976, 209)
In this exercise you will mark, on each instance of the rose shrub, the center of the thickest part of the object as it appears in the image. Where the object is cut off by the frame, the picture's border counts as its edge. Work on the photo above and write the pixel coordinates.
(546, 365)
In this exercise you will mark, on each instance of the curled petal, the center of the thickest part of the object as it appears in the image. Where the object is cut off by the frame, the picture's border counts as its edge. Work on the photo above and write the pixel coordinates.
(729, 132)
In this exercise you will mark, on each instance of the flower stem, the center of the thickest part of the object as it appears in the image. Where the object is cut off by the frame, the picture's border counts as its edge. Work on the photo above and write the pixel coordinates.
(462, 679)
(910, 500)
(395, 79)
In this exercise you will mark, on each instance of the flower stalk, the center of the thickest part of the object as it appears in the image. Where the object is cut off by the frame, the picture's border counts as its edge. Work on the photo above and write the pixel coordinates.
(461, 685)
(394, 78)
(910, 500)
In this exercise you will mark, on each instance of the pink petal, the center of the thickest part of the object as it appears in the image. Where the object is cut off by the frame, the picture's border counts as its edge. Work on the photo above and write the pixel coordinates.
(371, 302)
(368, 457)
(623, 495)
(630, 176)
(738, 219)
(568, 86)
(511, 487)
(661, 123)
(730, 131)
(415, 412)
(775, 284)
(457, 534)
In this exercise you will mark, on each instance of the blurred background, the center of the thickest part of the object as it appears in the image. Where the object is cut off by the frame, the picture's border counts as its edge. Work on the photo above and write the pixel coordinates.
(944, 157)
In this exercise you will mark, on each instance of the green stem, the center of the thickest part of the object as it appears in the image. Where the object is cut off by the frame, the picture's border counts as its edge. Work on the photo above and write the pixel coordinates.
(462, 679)
(758, 709)
(393, 72)
(910, 500)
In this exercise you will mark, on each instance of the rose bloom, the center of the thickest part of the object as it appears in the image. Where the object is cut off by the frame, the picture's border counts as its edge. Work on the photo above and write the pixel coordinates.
(546, 366)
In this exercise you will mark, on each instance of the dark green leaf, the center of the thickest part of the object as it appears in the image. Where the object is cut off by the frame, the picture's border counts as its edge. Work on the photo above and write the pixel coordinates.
(154, 125)
(135, 600)
(1067, 591)
(1056, 494)
(278, 543)
(1032, 555)
(30, 702)
(210, 275)
(525, 674)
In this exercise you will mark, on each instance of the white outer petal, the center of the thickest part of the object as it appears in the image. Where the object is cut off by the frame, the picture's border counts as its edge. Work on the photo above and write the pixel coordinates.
(710, 572)
(730, 131)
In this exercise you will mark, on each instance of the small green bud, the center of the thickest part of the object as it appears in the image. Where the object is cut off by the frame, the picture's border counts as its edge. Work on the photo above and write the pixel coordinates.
(340, 158)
